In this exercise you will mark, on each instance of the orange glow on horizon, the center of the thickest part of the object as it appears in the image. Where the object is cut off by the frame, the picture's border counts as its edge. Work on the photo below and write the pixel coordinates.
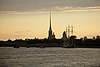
(13, 26)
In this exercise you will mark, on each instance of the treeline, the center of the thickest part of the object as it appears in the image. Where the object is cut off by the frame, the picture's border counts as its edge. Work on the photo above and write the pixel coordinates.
(78, 43)
(31, 43)
(88, 43)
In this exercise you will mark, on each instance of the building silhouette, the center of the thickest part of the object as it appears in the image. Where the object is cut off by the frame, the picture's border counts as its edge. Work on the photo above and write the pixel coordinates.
(68, 40)
(51, 35)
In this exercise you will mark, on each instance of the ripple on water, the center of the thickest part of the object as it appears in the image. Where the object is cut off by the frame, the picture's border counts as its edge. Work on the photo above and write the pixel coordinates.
(49, 57)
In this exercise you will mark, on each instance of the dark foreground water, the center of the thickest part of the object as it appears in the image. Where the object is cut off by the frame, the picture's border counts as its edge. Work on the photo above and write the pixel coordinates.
(49, 57)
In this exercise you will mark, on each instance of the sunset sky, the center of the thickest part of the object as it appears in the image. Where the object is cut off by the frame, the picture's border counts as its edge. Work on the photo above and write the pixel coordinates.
(30, 18)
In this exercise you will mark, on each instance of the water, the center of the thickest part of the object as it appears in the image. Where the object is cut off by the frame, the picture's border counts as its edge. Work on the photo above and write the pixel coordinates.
(49, 57)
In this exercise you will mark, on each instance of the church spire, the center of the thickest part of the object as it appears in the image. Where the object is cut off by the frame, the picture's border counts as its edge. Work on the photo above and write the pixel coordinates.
(50, 22)
(51, 34)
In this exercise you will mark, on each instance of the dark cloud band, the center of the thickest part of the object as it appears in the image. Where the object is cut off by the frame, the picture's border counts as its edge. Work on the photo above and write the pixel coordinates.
(29, 5)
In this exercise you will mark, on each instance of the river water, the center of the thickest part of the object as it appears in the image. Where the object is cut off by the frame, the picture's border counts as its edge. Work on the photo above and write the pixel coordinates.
(49, 57)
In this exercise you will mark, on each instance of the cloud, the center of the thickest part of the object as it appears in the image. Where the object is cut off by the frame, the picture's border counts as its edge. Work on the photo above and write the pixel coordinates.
(78, 9)
(42, 5)
(56, 9)
(21, 32)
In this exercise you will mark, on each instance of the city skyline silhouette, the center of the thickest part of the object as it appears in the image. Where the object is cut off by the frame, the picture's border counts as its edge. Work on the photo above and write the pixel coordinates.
(49, 33)
(31, 19)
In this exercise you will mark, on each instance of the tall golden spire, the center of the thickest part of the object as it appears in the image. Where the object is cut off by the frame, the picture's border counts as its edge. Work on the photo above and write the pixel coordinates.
(50, 22)
(51, 34)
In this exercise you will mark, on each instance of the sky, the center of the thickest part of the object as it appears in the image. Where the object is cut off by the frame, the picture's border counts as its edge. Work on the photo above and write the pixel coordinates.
(20, 19)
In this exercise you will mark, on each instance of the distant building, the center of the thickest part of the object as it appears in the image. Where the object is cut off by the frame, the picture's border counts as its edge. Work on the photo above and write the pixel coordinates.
(64, 37)
(85, 38)
(98, 37)
(51, 34)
